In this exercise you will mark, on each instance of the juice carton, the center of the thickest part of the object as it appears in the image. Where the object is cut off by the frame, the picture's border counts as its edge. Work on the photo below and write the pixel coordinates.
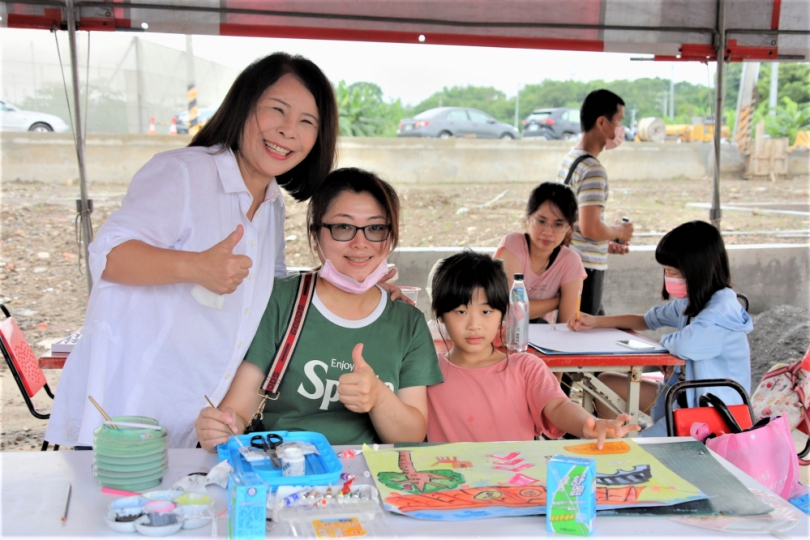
(571, 495)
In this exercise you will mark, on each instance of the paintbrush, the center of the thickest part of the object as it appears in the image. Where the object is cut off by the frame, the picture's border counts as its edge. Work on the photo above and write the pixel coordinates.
(97, 406)
(226, 425)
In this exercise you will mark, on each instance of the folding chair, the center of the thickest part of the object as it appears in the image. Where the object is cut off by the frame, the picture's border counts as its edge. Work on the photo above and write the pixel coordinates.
(679, 421)
(23, 365)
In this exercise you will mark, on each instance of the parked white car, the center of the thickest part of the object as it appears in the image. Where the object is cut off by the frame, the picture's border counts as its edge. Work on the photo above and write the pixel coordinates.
(15, 119)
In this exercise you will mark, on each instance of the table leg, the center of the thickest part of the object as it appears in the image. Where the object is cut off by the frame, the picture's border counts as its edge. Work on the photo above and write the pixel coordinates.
(634, 392)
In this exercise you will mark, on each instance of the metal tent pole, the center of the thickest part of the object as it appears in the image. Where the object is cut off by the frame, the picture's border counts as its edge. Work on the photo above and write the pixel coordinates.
(84, 206)
(715, 214)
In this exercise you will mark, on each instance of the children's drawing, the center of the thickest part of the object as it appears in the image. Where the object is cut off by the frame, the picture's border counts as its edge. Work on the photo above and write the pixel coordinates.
(508, 479)
(454, 462)
(412, 481)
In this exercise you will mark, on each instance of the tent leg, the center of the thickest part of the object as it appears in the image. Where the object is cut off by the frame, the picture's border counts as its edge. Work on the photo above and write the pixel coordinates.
(84, 208)
(715, 214)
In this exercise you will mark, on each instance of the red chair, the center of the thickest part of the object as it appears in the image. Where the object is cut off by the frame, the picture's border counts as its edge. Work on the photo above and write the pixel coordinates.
(679, 421)
(23, 365)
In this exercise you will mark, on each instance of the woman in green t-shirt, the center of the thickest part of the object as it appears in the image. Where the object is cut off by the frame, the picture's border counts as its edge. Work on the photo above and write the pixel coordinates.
(362, 363)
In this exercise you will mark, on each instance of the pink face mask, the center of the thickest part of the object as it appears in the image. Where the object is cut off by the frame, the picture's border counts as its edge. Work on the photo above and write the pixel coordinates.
(349, 285)
(617, 140)
(675, 286)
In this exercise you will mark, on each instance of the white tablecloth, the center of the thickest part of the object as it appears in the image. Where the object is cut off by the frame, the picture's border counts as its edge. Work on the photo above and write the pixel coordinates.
(34, 486)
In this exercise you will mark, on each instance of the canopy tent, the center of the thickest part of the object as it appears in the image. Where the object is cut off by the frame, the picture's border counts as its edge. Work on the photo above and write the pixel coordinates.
(671, 30)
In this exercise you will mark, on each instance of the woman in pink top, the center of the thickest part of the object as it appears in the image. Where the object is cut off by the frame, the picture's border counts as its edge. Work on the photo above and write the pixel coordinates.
(488, 395)
(553, 273)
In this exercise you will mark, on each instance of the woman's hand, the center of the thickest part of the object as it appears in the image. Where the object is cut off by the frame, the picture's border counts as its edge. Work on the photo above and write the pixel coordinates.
(218, 269)
(212, 426)
(585, 322)
(601, 429)
(361, 390)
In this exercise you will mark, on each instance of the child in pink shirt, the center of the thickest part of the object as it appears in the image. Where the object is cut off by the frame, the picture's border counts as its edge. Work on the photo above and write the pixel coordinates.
(488, 395)
(553, 273)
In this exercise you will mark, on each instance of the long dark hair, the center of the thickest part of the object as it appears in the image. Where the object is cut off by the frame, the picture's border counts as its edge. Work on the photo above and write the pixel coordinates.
(459, 275)
(357, 181)
(225, 128)
(697, 250)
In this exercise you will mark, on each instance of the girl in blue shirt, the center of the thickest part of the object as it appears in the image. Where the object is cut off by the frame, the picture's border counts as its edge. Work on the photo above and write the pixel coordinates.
(711, 324)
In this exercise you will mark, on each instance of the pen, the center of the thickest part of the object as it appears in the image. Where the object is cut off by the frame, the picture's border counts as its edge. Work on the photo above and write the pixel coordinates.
(67, 502)
(579, 303)
(226, 425)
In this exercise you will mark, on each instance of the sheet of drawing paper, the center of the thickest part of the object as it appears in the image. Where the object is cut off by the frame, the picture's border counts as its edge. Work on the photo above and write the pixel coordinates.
(462, 481)
(557, 337)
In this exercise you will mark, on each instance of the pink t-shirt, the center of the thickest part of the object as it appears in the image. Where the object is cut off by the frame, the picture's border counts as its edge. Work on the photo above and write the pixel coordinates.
(566, 268)
(501, 402)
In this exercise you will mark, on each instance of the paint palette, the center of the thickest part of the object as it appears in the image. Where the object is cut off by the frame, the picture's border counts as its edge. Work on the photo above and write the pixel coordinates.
(132, 456)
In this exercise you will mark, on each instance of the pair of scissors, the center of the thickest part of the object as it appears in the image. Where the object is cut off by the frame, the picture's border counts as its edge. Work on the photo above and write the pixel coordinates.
(268, 444)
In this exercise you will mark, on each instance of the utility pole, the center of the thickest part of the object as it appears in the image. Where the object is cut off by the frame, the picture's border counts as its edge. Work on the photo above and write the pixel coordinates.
(191, 95)
(34, 77)
(772, 95)
(517, 107)
(139, 83)
(672, 93)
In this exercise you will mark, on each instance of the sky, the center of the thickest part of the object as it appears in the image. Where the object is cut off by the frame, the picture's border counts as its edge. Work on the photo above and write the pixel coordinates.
(413, 72)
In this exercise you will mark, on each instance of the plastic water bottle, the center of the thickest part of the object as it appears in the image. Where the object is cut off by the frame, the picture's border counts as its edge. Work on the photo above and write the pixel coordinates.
(517, 317)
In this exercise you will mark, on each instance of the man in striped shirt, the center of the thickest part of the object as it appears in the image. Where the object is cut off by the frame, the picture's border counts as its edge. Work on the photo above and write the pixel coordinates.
(601, 118)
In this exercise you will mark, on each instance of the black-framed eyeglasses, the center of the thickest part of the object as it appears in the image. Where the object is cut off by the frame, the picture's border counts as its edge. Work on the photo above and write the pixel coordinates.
(344, 232)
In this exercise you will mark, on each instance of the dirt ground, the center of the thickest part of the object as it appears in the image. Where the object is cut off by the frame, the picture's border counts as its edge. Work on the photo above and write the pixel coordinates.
(43, 286)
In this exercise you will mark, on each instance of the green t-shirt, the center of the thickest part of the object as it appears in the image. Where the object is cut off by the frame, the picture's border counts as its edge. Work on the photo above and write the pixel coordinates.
(397, 345)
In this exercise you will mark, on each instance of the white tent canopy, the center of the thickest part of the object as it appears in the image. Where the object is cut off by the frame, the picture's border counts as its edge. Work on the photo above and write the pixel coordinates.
(671, 30)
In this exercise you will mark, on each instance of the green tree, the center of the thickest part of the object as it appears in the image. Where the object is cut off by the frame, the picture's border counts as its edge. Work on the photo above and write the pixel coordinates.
(789, 119)
(794, 82)
(485, 98)
(364, 112)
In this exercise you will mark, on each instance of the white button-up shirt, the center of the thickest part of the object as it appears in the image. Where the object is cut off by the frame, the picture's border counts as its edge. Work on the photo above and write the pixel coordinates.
(155, 351)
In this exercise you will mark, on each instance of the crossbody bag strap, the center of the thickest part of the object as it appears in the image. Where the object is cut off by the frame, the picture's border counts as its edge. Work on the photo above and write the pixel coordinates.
(573, 167)
(271, 384)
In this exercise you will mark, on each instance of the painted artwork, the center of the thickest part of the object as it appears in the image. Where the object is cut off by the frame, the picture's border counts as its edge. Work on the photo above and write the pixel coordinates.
(477, 480)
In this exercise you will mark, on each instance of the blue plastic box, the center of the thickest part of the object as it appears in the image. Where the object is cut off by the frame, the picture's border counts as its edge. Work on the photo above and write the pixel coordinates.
(250, 483)
(322, 469)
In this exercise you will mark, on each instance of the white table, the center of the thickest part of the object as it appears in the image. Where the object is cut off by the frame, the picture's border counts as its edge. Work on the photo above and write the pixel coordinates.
(34, 484)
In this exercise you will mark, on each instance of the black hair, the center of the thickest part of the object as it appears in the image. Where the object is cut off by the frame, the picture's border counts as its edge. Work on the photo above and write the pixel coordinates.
(459, 275)
(358, 181)
(225, 128)
(598, 103)
(697, 250)
(557, 194)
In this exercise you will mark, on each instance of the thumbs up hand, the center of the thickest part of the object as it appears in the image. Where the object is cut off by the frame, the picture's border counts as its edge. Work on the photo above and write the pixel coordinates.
(361, 390)
(218, 269)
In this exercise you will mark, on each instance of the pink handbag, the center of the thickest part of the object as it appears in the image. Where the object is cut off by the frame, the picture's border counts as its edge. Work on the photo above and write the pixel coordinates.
(765, 452)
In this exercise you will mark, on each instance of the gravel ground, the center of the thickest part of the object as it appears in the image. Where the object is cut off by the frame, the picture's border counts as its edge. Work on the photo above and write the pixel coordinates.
(41, 282)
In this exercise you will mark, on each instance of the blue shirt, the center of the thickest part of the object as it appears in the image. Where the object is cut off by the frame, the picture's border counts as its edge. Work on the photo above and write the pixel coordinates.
(714, 344)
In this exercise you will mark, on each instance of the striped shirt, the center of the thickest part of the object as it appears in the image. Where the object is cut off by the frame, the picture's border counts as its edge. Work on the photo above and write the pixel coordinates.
(589, 182)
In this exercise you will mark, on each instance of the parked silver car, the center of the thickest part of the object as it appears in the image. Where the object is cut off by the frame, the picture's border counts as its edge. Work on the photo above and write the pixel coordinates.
(15, 119)
(446, 122)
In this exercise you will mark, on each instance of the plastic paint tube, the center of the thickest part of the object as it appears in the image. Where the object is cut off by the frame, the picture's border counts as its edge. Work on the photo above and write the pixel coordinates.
(349, 453)
(289, 500)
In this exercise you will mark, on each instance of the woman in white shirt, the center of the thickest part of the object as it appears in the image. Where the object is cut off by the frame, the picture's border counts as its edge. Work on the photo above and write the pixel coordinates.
(183, 271)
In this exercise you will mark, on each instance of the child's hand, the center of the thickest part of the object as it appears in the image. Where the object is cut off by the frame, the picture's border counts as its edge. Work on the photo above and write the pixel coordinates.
(361, 389)
(585, 322)
(212, 426)
(601, 429)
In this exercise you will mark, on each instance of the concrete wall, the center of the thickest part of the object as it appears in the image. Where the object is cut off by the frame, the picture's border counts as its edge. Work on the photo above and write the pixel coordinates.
(769, 275)
(49, 157)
